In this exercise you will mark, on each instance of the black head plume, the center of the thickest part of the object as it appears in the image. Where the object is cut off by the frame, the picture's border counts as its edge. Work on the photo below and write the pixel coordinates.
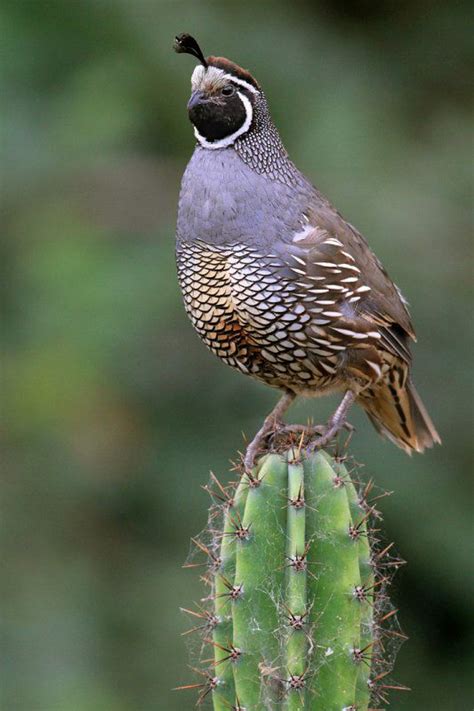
(187, 45)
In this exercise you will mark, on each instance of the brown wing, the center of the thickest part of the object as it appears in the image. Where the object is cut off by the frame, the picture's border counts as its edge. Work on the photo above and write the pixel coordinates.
(338, 259)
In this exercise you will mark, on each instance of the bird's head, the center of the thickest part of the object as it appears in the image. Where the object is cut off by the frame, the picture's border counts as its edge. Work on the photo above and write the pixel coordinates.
(223, 97)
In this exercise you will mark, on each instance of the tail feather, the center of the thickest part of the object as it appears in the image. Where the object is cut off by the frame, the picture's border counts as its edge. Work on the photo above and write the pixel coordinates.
(397, 412)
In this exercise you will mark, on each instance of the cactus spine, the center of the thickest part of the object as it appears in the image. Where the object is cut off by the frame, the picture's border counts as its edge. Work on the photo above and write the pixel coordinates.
(295, 591)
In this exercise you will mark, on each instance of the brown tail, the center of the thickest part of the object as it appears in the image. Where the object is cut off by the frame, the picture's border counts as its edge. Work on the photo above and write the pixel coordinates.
(398, 413)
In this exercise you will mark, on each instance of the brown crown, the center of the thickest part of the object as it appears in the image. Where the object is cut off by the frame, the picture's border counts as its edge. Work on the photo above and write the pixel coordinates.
(232, 68)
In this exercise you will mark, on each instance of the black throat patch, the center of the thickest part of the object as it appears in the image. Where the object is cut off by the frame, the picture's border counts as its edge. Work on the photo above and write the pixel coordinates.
(219, 117)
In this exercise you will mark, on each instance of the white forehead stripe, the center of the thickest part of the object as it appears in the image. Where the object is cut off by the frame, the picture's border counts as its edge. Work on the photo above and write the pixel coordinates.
(228, 140)
(197, 76)
(213, 74)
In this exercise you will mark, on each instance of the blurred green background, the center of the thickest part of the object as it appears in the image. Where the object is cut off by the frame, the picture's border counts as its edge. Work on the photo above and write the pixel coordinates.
(116, 412)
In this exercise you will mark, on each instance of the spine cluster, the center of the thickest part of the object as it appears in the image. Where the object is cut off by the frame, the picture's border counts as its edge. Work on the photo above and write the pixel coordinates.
(297, 616)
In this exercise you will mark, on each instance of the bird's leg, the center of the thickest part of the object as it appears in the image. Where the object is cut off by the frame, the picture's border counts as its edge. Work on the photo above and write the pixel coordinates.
(269, 424)
(336, 422)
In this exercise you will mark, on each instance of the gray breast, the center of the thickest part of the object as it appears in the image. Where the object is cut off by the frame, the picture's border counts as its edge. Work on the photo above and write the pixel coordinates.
(223, 201)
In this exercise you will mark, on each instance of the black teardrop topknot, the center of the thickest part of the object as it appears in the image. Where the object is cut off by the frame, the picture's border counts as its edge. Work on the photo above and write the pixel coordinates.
(186, 44)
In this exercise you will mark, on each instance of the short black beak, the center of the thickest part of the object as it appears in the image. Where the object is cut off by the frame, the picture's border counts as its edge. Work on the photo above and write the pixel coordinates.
(197, 98)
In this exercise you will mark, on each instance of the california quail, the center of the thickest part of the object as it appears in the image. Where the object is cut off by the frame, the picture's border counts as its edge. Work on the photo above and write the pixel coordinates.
(276, 283)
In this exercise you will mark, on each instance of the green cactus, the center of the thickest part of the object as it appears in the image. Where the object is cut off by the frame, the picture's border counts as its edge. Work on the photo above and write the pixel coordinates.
(297, 596)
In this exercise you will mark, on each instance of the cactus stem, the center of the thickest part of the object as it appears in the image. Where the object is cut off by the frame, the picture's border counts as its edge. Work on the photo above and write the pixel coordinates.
(297, 615)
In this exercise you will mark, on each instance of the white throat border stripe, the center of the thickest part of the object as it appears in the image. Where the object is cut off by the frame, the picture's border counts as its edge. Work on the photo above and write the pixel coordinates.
(228, 140)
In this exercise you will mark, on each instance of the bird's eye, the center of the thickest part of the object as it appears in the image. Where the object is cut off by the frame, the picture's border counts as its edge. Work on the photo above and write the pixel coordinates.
(227, 90)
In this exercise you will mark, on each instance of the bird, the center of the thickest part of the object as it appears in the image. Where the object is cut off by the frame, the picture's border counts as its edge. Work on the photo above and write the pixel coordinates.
(275, 281)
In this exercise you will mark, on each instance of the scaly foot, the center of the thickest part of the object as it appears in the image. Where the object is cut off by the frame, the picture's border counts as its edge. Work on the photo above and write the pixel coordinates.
(329, 433)
(336, 422)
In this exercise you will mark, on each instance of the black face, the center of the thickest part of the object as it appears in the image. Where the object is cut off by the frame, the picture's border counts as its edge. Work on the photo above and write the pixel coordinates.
(218, 116)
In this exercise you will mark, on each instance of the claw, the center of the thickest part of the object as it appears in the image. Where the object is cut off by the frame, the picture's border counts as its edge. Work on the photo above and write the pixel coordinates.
(329, 433)
(274, 426)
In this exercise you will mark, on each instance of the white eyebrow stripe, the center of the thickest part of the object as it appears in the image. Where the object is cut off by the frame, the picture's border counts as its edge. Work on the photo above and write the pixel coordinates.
(211, 73)
(240, 82)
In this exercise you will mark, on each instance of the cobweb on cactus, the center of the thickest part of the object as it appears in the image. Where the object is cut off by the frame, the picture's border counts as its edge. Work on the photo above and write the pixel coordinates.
(295, 612)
